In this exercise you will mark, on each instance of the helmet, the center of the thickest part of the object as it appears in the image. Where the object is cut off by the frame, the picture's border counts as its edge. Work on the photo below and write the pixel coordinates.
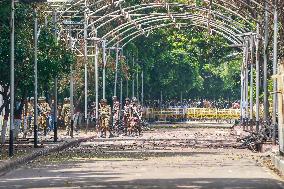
(114, 98)
(134, 99)
(104, 100)
(32, 98)
(127, 99)
(41, 98)
(66, 99)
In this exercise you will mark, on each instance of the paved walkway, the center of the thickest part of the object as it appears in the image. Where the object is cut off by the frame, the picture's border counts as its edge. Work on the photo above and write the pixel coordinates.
(113, 164)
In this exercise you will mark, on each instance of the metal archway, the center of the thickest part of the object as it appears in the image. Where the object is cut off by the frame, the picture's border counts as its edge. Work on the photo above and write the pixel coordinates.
(108, 12)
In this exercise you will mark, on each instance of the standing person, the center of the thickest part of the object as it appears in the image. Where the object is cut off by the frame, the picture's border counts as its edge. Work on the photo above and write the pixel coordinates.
(30, 114)
(18, 118)
(115, 114)
(25, 118)
(93, 112)
(126, 115)
(60, 119)
(44, 114)
(51, 116)
(134, 117)
(77, 119)
(104, 119)
(66, 114)
(5, 125)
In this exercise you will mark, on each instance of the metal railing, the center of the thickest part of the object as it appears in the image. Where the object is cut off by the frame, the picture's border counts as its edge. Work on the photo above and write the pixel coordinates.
(186, 114)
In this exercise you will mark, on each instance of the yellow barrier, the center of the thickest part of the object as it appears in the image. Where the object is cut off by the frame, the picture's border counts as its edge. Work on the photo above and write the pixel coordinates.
(192, 113)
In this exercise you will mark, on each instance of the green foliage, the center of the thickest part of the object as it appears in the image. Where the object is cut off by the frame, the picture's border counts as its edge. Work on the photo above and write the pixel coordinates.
(53, 58)
(189, 61)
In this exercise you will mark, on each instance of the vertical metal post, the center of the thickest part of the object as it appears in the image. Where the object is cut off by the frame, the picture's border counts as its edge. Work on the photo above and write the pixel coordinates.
(121, 92)
(127, 87)
(86, 69)
(161, 100)
(97, 79)
(265, 49)
(275, 61)
(55, 109)
(242, 85)
(127, 90)
(116, 71)
(36, 82)
(71, 91)
(142, 88)
(12, 90)
(72, 101)
(104, 68)
(246, 86)
(133, 80)
(137, 83)
(257, 78)
(251, 80)
(54, 20)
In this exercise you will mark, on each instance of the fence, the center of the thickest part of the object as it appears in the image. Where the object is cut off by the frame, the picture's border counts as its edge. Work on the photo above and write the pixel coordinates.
(184, 114)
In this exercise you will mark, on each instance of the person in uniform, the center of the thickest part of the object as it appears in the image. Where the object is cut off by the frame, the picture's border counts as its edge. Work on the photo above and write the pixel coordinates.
(30, 113)
(66, 114)
(93, 112)
(25, 118)
(134, 117)
(126, 115)
(104, 118)
(60, 119)
(115, 114)
(44, 112)
(51, 116)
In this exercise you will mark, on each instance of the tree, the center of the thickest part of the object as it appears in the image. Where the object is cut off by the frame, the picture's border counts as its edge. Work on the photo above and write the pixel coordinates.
(53, 57)
(188, 61)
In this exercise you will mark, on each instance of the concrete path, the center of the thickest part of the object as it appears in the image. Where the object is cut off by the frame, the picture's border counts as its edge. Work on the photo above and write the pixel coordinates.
(113, 166)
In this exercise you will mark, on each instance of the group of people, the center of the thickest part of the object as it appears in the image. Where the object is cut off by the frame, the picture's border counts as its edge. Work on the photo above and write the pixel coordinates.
(118, 120)
(46, 119)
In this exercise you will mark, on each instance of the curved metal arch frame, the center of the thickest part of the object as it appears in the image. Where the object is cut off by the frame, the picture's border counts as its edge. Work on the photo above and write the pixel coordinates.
(159, 5)
(229, 37)
(151, 29)
(150, 19)
(120, 2)
(219, 15)
(165, 18)
(140, 7)
(225, 7)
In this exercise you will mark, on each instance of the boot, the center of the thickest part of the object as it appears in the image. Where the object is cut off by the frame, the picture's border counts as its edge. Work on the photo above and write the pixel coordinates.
(110, 135)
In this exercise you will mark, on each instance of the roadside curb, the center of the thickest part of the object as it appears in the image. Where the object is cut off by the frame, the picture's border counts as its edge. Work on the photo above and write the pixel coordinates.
(278, 162)
(13, 164)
